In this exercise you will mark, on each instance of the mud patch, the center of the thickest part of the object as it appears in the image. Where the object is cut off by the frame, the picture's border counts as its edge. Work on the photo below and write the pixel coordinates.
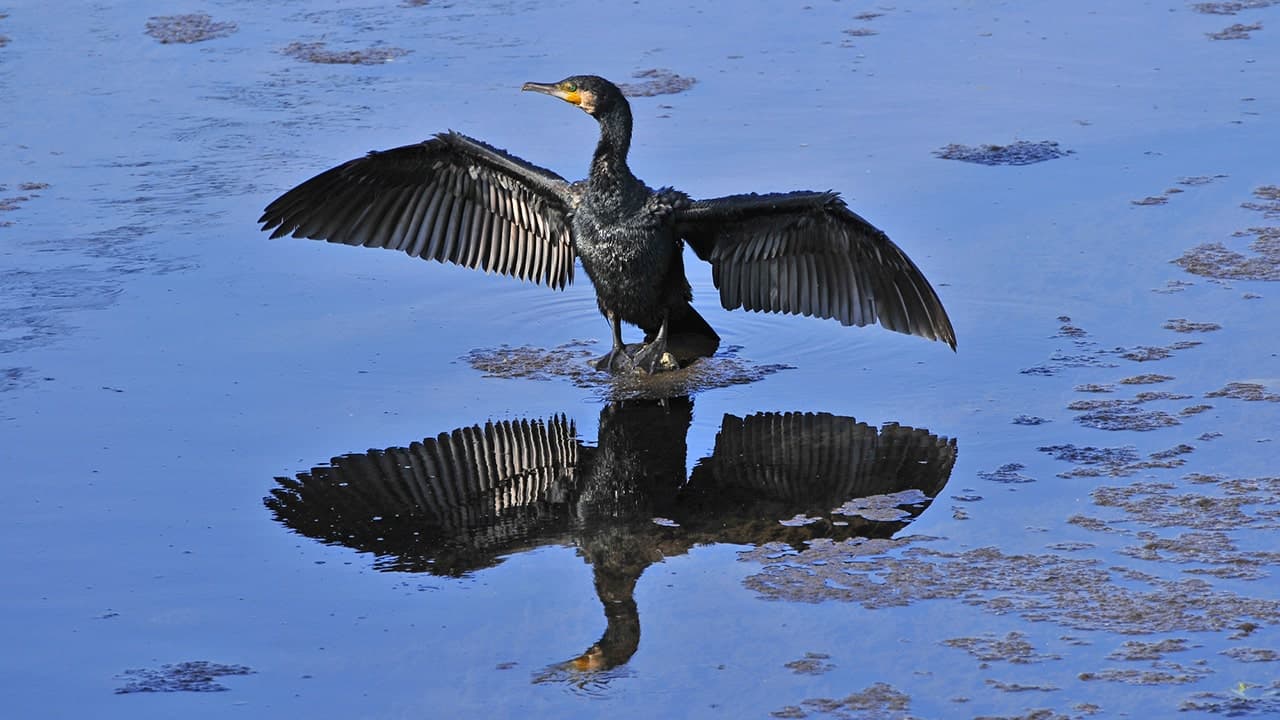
(571, 361)
(186, 29)
(1012, 648)
(1232, 7)
(1121, 414)
(1086, 354)
(1163, 198)
(1251, 654)
(1146, 379)
(880, 701)
(811, 664)
(1249, 392)
(1009, 474)
(1245, 700)
(193, 676)
(1237, 31)
(318, 52)
(1113, 461)
(1139, 650)
(30, 191)
(1076, 593)
(1161, 674)
(1216, 260)
(656, 81)
(1183, 325)
(1214, 549)
(1148, 353)
(1240, 503)
(1021, 152)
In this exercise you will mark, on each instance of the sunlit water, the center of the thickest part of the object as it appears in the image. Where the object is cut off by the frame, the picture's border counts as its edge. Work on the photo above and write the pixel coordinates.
(164, 367)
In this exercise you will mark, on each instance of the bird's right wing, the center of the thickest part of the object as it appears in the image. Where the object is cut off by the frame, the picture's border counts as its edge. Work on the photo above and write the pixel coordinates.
(450, 199)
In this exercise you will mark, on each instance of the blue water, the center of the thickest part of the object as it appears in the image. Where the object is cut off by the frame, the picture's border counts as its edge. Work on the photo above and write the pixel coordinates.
(162, 362)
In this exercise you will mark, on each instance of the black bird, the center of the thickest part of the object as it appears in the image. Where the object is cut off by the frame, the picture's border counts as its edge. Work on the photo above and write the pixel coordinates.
(459, 502)
(456, 199)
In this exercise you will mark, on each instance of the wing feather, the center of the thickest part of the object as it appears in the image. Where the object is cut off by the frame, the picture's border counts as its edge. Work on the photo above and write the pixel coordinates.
(806, 253)
(450, 199)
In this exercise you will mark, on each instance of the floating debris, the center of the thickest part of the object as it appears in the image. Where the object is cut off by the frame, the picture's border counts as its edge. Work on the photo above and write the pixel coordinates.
(193, 676)
(1151, 200)
(880, 701)
(1125, 413)
(811, 664)
(1182, 325)
(1146, 379)
(1029, 420)
(1216, 260)
(186, 29)
(1237, 31)
(318, 52)
(1243, 502)
(656, 81)
(1073, 592)
(1007, 473)
(1114, 461)
(1012, 648)
(1167, 674)
(893, 507)
(1251, 654)
(1250, 392)
(1173, 286)
(1231, 7)
(860, 32)
(1240, 702)
(1021, 152)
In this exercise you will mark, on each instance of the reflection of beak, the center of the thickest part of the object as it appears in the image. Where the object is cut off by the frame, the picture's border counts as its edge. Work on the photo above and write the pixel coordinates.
(552, 89)
(589, 660)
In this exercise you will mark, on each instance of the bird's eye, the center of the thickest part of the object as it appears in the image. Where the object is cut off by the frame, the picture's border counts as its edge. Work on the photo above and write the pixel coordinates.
(571, 87)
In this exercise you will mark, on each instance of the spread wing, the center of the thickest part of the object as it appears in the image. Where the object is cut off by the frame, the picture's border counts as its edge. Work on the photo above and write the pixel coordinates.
(806, 253)
(449, 199)
(447, 505)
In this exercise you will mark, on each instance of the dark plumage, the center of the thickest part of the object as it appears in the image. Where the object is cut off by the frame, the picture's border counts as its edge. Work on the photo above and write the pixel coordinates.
(459, 200)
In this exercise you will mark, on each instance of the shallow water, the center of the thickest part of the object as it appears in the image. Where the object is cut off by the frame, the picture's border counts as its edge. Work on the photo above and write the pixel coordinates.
(164, 368)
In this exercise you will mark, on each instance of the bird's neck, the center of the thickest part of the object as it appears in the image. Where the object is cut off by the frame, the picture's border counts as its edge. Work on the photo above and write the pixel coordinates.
(609, 165)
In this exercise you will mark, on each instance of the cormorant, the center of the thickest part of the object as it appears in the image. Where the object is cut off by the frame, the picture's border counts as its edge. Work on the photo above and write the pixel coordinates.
(456, 199)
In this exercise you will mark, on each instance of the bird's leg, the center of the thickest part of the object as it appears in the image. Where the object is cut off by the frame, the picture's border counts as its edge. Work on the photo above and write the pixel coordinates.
(654, 357)
(617, 359)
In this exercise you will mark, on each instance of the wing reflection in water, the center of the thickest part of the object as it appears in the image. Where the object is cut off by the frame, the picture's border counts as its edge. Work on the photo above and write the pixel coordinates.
(460, 502)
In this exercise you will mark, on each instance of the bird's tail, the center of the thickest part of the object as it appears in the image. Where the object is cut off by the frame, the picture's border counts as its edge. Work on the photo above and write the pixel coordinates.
(689, 336)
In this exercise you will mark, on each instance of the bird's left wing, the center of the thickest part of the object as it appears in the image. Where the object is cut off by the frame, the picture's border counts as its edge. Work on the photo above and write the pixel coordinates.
(806, 253)
(451, 199)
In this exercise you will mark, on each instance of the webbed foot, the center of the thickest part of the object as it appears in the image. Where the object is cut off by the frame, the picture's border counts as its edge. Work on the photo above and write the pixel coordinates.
(617, 360)
(654, 358)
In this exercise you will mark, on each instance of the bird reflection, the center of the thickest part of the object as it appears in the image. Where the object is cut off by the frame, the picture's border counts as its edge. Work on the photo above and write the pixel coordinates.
(462, 501)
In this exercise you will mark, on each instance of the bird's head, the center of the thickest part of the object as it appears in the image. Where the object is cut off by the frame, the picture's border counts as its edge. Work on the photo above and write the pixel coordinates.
(595, 95)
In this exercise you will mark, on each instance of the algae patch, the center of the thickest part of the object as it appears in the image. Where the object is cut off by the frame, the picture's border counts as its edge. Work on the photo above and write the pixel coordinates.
(187, 29)
(656, 81)
(571, 361)
(1021, 152)
(192, 676)
(319, 53)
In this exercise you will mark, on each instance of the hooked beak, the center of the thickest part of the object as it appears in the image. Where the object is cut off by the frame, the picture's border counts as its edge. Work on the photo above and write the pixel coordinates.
(554, 90)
